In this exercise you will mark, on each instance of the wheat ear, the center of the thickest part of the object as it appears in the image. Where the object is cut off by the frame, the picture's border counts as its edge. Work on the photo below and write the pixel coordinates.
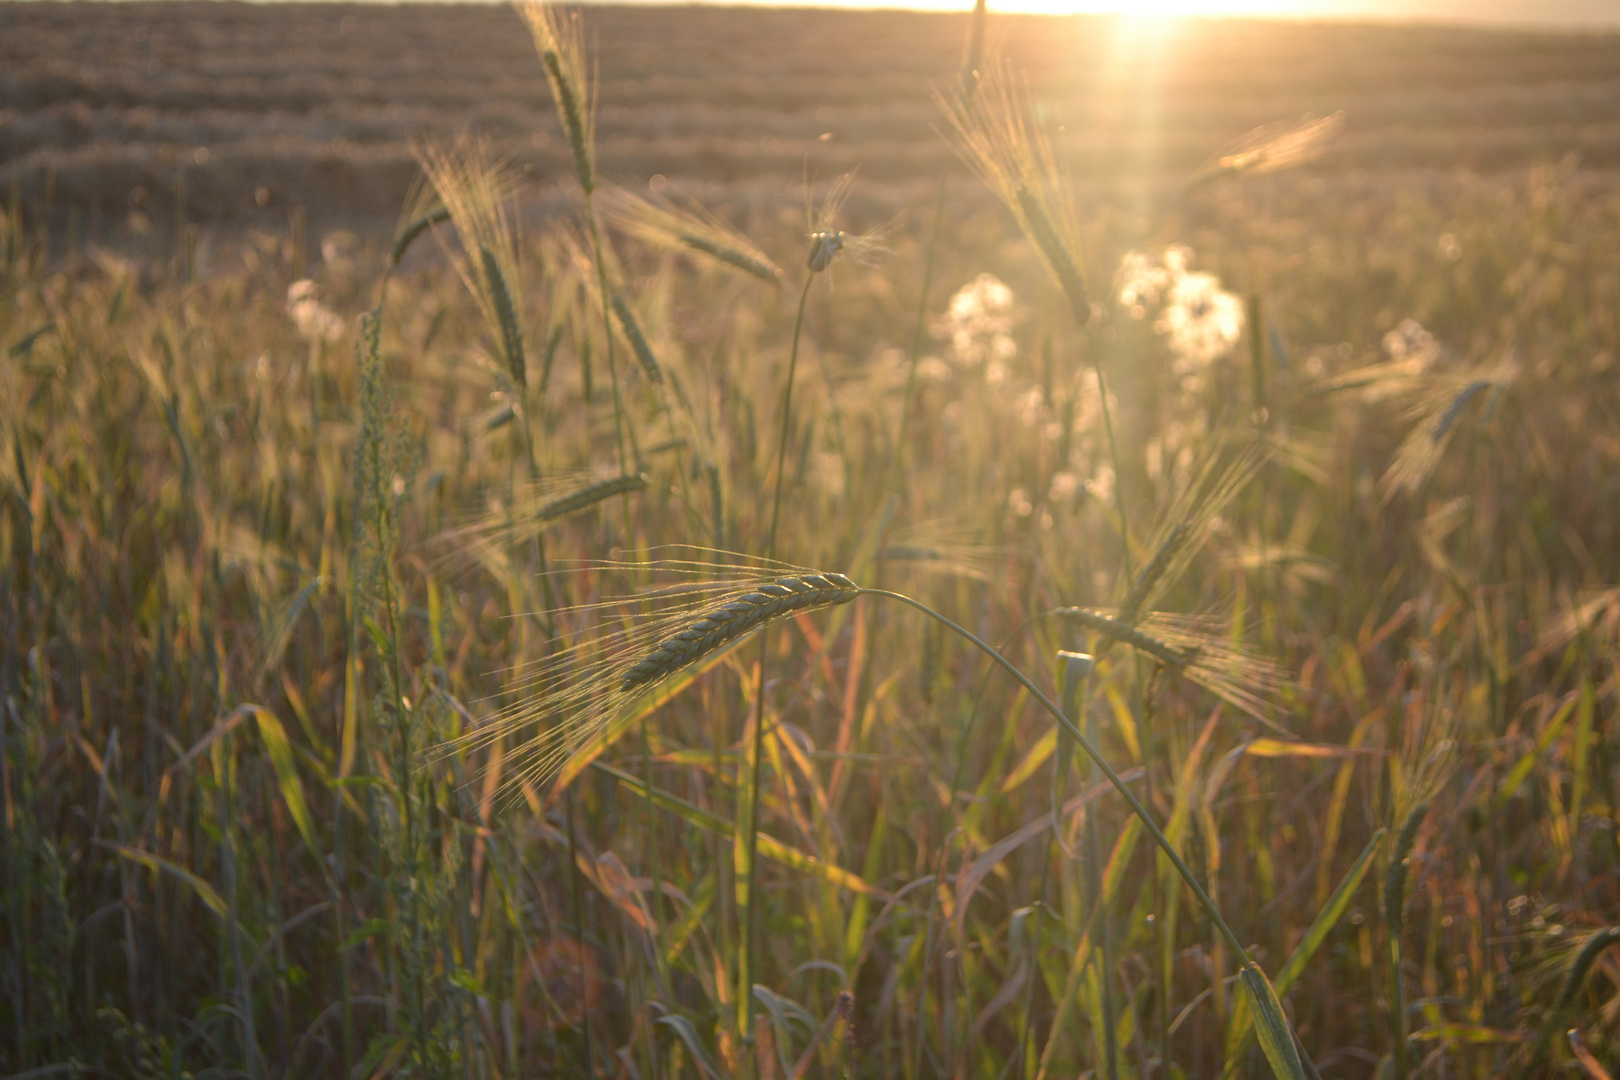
(725, 623)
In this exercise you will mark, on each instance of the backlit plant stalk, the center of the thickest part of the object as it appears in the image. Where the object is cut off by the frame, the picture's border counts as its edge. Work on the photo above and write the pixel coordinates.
(713, 629)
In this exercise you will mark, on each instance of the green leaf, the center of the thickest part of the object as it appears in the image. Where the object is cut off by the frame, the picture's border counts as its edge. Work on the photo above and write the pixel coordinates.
(292, 789)
(1241, 1029)
(1276, 1036)
(365, 932)
(205, 892)
(782, 1010)
(769, 847)
(683, 1027)
(1522, 767)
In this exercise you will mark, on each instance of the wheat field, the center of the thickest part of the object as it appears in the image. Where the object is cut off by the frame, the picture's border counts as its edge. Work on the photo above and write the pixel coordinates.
(705, 543)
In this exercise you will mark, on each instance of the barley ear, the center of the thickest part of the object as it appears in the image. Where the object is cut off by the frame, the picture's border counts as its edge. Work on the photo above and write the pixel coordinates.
(589, 496)
(573, 120)
(1395, 883)
(638, 340)
(414, 229)
(721, 625)
(1058, 255)
(1590, 951)
(500, 299)
(1153, 572)
(1122, 631)
(731, 256)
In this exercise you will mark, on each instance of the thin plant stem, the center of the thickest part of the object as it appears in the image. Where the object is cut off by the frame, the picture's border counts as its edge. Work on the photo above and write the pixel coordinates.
(577, 902)
(896, 483)
(748, 808)
(787, 412)
(613, 366)
(1095, 755)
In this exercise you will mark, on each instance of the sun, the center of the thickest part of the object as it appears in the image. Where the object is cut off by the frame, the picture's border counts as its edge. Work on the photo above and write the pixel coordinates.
(1159, 10)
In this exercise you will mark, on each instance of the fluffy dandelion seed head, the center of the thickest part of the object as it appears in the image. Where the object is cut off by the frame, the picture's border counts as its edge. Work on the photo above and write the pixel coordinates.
(978, 324)
(315, 322)
(1201, 321)
(1142, 282)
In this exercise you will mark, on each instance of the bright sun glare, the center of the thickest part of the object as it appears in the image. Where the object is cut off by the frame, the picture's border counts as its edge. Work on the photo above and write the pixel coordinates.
(1150, 10)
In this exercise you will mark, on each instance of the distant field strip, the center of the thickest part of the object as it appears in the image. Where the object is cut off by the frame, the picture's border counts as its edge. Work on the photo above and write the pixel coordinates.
(242, 112)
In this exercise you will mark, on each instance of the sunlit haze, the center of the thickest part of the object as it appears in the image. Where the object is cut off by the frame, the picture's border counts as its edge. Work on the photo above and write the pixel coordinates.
(1597, 14)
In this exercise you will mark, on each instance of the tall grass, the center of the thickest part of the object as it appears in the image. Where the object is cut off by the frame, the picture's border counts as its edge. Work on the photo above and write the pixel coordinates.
(372, 693)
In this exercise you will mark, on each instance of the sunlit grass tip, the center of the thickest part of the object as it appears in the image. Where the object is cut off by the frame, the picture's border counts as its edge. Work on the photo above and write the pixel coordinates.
(994, 135)
(477, 191)
(1272, 148)
(559, 39)
(828, 241)
(1194, 647)
(662, 224)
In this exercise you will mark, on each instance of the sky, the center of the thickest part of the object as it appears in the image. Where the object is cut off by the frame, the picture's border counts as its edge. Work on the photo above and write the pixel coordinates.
(1572, 14)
